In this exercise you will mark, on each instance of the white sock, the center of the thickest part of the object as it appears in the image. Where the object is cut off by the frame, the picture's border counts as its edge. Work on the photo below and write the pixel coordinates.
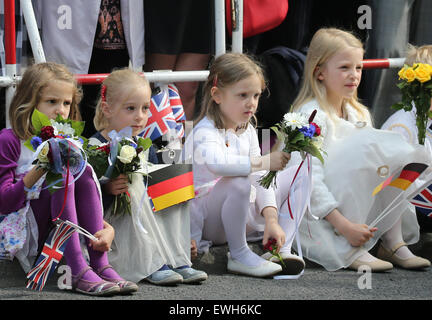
(394, 236)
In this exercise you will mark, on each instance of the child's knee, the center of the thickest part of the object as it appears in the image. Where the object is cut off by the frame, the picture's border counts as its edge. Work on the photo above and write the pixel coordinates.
(239, 186)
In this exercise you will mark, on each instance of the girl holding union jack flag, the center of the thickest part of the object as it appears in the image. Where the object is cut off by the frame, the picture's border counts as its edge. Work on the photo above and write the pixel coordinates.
(27, 206)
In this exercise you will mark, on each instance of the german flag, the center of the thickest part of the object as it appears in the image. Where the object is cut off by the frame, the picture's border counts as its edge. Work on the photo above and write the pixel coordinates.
(405, 177)
(170, 185)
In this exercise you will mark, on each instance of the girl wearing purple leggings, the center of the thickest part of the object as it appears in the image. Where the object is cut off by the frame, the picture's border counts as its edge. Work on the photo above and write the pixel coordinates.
(51, 89)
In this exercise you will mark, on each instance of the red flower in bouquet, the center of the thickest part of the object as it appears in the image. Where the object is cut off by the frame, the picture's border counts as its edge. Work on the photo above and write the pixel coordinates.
(317, 129)
(272, 248)
(47, 132)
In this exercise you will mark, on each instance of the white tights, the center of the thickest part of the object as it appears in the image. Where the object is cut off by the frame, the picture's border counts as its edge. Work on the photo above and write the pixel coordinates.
(227, 208)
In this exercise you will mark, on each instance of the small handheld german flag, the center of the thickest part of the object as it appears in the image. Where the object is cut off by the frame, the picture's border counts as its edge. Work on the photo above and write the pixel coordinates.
(170, 185)
(407, 175)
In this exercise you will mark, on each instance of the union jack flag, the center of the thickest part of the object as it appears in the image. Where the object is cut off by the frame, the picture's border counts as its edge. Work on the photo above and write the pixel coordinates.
(176, 103)
(423, 201)
(49, 258)
(161, 118)
(177, 108)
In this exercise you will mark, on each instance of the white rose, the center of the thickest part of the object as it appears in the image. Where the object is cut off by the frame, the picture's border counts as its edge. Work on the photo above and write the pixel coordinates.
(127, 153)
(43, 154)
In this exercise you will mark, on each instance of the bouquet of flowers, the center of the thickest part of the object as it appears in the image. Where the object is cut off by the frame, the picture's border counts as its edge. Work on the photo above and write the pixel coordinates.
(299, 133)
(416, 86)
(58, 148)
(123, 155)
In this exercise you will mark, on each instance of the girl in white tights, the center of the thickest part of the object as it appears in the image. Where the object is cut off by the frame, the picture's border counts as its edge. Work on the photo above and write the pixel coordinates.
(230, 206)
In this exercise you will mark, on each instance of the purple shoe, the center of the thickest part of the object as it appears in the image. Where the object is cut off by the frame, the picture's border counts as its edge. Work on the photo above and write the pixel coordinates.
(125, 286)
(100, 288)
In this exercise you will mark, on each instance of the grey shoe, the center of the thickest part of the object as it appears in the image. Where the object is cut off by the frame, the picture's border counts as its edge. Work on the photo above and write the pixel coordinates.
(190, 275)
(164, 278)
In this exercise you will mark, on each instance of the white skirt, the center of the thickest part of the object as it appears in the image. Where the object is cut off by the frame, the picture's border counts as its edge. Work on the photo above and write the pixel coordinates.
(351, 175)
(146, 240)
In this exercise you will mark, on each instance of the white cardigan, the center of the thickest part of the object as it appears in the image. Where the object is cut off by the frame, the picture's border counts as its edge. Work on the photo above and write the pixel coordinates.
(332, 129)
(213, 159)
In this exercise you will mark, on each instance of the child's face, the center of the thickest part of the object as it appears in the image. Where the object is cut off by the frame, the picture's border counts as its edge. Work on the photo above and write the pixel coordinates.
(56, 99)
(341, 74)
(238, 102)
(129, 112)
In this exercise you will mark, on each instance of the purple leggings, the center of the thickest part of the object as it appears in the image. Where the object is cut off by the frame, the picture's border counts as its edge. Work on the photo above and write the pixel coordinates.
(83, 207)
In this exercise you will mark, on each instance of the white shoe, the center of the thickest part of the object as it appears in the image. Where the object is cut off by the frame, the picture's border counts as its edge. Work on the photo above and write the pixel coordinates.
(293, 263)
(266, 269)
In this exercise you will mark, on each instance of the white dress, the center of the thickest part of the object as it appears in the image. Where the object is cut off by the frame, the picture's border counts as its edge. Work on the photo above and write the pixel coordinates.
(346, 181)
(146, 240)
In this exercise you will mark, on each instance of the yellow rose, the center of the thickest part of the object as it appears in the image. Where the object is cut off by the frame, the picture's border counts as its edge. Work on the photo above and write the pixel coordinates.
(401, 73)
(43, 154)
(409, 75)
(422, 73)
(127, 153)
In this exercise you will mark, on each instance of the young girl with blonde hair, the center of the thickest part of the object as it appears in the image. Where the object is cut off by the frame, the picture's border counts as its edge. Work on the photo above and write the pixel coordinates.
(230, 205)
(154, 246)
(348, 222)
(51, 89)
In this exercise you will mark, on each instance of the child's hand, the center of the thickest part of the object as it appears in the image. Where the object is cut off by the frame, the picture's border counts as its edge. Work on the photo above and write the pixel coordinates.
(194, 249)
(105, 238)
(357, 234)
(272, 229)
(117, 185)
(278, 160)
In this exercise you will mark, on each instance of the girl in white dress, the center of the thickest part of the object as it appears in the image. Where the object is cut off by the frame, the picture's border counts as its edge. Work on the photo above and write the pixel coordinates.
(341, 228)
(154, 246)
(230, 206)
(404, 122)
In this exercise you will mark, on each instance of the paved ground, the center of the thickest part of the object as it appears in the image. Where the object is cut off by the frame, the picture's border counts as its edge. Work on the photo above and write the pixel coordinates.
(223, 290)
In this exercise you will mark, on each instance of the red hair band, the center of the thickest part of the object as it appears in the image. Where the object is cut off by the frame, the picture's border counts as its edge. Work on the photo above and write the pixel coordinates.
(103, 93)
(215, 81)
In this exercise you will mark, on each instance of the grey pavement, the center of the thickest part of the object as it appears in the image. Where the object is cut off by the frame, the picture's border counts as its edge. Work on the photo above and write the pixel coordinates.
(315, 284)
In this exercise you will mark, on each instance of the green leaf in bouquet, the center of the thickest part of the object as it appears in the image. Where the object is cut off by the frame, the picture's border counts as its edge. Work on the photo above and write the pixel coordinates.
(402, 84)
(54, 178)
(429, 114)
(297, 138)
(314, 151)
(398, 106)
(144, 143)
(279, 134)
(39, 120)
(28, 144)
(78, 126)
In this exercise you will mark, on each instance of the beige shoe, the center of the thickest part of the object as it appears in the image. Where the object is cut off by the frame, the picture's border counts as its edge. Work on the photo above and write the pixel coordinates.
(375, 265)
(410, 263)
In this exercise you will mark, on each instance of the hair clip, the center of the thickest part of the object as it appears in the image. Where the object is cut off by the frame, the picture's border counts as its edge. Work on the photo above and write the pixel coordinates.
(103, 93)
(215, 81)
